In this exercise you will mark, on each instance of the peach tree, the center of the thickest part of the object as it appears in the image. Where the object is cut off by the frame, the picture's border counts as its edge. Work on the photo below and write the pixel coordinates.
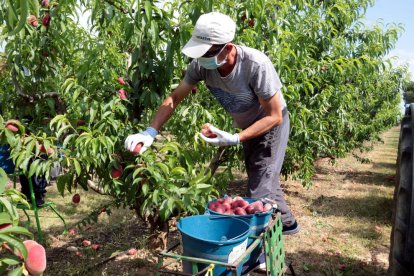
(61, 80)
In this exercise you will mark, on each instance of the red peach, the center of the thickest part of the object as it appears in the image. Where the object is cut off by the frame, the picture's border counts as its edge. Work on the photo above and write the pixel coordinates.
(45, 3)
(12, 127)
(226, 206)
(122, 94)
(239, 211)
(116, 172)
(86, 243)
(249, 209)
(76, 198)
(220, 209)
(5, 225)
(121, 81)
(228, 200)
(132, 251)
(205, 130)
(46, 20)
(36, 260)
(137, 148)
(95, 247)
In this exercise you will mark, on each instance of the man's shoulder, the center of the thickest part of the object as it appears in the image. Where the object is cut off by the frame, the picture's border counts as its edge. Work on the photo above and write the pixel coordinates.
(253, 55)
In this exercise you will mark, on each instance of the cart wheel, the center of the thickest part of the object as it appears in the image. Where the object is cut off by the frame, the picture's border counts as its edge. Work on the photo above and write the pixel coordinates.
(401, 257)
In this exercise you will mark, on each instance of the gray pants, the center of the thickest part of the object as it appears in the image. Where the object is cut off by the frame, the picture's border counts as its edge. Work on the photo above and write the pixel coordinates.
(264, 157)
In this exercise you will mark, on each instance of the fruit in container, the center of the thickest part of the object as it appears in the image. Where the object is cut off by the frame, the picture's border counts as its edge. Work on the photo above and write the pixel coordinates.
(239, 206)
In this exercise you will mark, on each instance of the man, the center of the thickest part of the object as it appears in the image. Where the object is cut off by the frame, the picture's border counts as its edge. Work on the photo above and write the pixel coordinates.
(246, 84)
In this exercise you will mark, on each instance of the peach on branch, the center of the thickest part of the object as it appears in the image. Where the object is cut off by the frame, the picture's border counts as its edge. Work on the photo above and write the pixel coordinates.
(116, 172)
(35, 262)
(76, 198)
(12, 125)
(45, 3)
(32, 20)
(122, 94)
(46, 20)
(121, 81)
(49, 150)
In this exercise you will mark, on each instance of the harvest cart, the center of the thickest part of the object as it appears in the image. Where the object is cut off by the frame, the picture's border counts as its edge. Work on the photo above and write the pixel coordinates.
(273, 245)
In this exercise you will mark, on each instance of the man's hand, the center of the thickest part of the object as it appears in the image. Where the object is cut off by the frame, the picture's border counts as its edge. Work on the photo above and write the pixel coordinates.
(146, 138)
(222, 139)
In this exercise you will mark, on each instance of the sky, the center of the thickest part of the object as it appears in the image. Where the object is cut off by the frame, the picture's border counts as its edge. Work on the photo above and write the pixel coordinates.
(397, 11)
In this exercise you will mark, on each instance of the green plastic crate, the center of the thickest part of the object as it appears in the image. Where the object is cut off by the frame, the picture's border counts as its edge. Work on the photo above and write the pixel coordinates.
(273, 245)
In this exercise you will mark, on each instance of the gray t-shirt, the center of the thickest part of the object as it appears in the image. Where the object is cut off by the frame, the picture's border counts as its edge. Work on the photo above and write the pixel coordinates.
(252, 77)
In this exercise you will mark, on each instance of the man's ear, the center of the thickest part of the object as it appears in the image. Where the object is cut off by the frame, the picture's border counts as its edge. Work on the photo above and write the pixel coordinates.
(229, 46)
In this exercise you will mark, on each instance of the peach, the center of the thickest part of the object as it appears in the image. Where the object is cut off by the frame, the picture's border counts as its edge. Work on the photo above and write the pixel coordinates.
(249, 209)
(205, 130)
(86, 243)
(239, 211)
(76, 198)
(5, 225)
(226, 206)
(212, 205)
(267, 207)
(95, 247)
(121, 81)
(116, 172)
(12, 127)
(49, 150)
(123, 95)
(29, 244)
(46, 20)
(36, 260)
(228, 200)
(220, 209)
(137, 148)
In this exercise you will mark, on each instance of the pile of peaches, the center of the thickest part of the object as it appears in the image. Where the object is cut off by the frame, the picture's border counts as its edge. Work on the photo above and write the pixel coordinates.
(238, 206)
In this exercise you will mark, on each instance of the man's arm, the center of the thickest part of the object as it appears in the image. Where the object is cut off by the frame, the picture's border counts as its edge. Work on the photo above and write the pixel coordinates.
(273, 108)
(168, 106)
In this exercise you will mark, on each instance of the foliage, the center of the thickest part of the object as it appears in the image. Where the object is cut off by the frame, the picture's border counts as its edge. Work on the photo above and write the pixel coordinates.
(60, 81)
(10, 232)
(408, 93)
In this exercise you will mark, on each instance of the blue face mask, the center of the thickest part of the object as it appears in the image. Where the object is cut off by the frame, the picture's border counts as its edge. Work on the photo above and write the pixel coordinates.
(211, 63)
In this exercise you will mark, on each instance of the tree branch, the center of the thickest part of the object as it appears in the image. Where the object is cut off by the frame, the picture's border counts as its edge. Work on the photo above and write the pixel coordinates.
(96, 188)
(19, 88)
(217, 159)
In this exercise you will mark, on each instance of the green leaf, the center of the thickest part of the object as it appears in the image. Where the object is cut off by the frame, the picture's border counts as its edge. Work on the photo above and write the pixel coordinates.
(24, 12)
(9, 208)
(16, 230)
(12, 260)
(77, 166)
(15, 243)
(61, 183)
(5, 218)
(3, 180)
(16, 272)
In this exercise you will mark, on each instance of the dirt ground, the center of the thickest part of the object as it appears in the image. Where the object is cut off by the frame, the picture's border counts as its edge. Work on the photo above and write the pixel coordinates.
(345, 223)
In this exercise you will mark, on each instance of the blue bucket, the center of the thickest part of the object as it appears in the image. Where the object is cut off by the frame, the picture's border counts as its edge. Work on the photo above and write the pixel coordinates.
(258, 222)
(220, 239)
(5, 162)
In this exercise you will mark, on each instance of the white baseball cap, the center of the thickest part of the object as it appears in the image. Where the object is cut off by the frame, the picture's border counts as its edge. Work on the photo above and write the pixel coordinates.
(210, 28)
